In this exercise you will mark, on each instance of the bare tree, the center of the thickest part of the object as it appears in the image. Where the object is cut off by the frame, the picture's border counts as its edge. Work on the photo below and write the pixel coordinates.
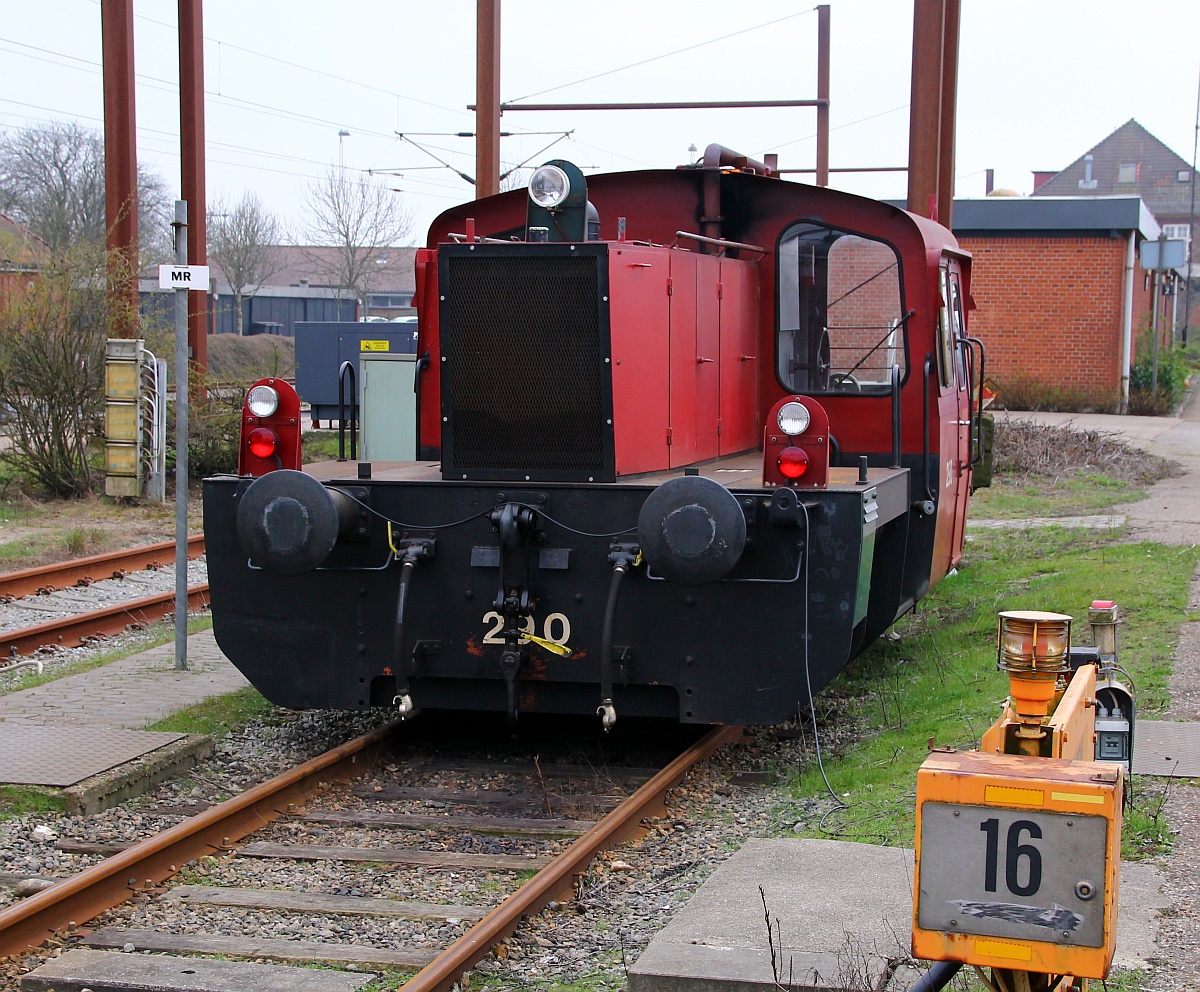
(514, 178)
(239, 242)
(52, 182)
(357, 216)
(52, 369)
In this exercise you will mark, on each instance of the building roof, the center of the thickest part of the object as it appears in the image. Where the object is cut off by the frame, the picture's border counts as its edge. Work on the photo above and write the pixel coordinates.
(311, 265)
(1156, 172)
(20, 248)
(1060, 215)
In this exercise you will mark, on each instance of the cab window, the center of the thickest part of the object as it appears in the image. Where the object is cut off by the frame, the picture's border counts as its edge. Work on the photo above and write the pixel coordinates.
(946, 333)
(841, 313)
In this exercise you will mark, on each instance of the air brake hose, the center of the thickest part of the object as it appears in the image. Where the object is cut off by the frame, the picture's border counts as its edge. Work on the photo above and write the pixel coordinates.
(937, 977)
(606, 711)
(402, 700)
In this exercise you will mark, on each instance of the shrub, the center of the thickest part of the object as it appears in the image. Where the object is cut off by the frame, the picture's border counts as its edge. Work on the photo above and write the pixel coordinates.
(214, 423)
(1173, 372)
(1023, 392)
(52, 339)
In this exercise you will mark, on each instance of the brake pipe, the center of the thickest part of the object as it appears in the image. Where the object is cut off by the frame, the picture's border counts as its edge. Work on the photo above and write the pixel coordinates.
(621, 560)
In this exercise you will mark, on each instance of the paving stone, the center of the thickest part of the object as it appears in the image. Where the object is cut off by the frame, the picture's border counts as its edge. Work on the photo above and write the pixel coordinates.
(130, 693)
(839, 914)
(1162, 747)
(61, 756)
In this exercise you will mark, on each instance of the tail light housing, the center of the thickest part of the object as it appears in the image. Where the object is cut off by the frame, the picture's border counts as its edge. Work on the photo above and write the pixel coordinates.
(796, 444)
(270, 434)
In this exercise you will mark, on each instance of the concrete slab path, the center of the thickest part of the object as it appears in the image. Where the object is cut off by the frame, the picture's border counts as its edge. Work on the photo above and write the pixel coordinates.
(1170, 514)
(839, 913)
(130, 693)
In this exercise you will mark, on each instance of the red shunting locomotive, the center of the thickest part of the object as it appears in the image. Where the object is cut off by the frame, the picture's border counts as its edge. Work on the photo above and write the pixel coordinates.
(688, 441)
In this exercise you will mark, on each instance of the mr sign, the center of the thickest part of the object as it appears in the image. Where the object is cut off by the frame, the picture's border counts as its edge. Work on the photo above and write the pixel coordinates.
(183, 277)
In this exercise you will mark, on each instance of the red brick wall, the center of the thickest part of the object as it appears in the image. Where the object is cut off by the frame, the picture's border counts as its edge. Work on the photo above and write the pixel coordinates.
(1051, 310)
(864, 301)
(12, 283)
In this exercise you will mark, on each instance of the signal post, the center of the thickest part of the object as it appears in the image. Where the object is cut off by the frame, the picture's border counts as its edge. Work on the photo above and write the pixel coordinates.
(1019, 844)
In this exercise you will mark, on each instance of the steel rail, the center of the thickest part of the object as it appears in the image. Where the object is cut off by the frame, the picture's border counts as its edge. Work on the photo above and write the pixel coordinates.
(75, 629)
(75, 900)
(111, 564)
(557, 879)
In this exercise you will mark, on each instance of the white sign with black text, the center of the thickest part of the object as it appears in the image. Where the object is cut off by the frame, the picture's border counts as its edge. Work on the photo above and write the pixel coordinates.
(183, 277)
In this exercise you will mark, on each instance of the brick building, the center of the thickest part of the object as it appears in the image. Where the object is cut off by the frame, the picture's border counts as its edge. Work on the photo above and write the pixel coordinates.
(21, 255)
(1059, 294)
(1133, 162)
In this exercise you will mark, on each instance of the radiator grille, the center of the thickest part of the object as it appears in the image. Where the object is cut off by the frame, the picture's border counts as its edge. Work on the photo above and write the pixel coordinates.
(526, 371)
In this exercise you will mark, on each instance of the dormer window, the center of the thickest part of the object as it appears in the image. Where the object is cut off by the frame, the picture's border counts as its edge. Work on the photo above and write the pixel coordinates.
(1127, 173)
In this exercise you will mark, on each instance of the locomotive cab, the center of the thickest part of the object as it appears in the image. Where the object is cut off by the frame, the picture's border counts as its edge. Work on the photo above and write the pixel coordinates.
(664, 471)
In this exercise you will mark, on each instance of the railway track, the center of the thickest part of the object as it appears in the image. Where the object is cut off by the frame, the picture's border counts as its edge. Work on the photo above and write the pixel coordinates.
(77, 628)
(547, 818)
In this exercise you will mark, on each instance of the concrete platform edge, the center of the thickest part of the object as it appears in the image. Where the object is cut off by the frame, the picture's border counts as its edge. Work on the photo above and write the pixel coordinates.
(136, 778)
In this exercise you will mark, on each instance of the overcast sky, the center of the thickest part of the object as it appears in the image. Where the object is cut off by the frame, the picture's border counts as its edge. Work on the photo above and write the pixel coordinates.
(1039, 83)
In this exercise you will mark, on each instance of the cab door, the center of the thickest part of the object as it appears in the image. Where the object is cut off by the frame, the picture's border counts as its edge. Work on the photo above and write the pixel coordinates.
(958, 472)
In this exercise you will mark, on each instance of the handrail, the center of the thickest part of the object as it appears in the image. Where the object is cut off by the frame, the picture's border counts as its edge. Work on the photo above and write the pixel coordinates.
(895, 416)
(977, 426)
(347, 366)
(929, 493)
(719, 242)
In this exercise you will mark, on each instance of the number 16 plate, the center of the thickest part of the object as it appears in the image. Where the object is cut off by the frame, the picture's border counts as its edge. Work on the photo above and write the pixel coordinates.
(1016, 873)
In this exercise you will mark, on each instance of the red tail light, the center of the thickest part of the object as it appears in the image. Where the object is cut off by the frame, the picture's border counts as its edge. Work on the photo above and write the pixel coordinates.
(270, 436)
(263, 443)
(796, 444)
(792, 462)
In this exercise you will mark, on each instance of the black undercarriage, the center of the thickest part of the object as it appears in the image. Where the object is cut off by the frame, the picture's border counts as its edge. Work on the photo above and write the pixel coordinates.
(438, 605)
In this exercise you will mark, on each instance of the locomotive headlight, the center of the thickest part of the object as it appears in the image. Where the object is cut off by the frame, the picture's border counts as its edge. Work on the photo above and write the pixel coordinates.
(793, 418)
(549, 187)
(262, 401)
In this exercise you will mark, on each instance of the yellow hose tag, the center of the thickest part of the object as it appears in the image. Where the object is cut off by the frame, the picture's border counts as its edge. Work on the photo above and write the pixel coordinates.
(552, 646)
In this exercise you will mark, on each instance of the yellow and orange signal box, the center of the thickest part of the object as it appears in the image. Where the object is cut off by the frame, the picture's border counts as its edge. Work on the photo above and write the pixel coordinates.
(1017, 862)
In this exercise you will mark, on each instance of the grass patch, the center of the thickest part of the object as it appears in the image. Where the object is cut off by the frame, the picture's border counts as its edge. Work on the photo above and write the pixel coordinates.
(19, 800)
(1043, 471)
(219, 715)
(1145, 832)
(321, 446)
(1009, 499)
(160, 634)
(17, 552)
(84, 540)
(390, 980)
(939, 679)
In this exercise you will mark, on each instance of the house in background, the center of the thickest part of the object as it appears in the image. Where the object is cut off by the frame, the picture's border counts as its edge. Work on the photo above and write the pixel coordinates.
(1057, 294)
(390, 287)
(21, 256)
(301, 288)
(1133, 162)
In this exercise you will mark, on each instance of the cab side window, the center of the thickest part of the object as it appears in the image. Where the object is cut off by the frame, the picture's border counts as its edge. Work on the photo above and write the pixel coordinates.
(947, 334)
(840, 312)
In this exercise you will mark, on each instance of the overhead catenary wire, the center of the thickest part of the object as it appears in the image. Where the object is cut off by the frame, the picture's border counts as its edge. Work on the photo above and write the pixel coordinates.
(665, 55)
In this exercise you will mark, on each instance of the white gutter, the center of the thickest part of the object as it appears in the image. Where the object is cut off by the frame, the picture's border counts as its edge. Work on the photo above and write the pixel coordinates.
(1127, 321)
